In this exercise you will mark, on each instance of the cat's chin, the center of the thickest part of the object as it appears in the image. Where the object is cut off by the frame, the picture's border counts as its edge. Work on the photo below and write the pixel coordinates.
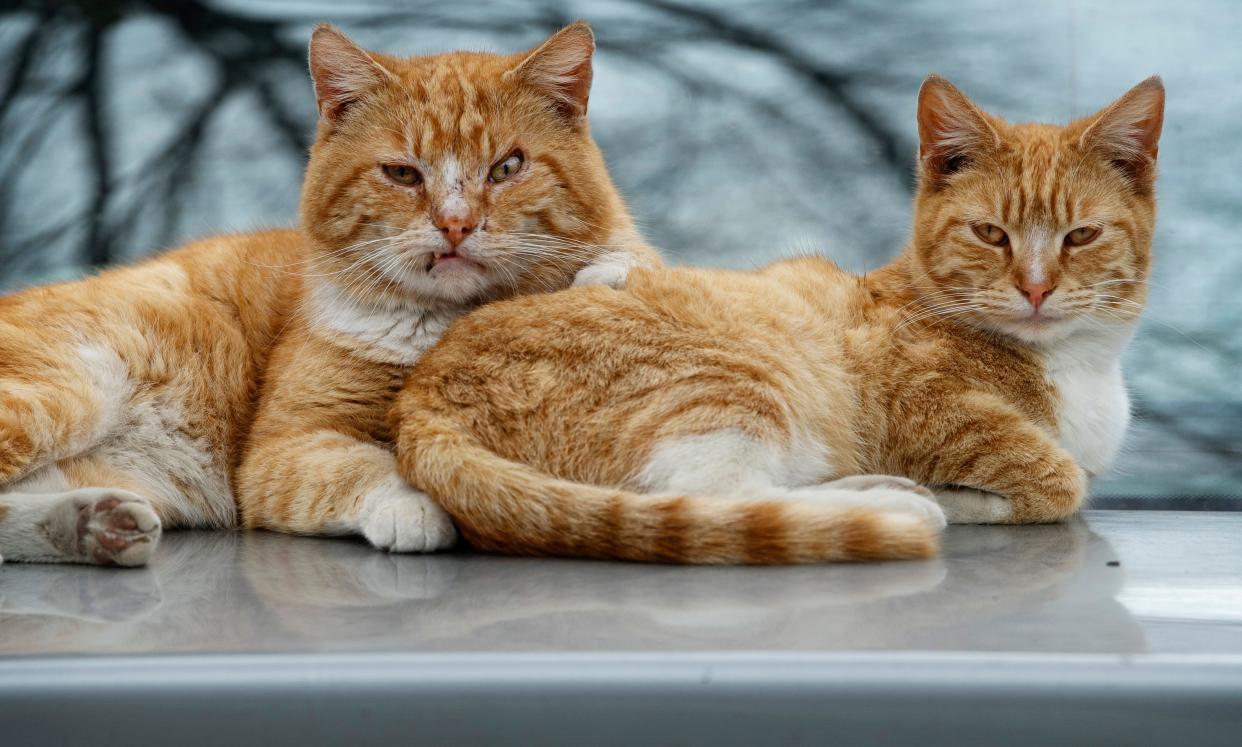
(1033, 329)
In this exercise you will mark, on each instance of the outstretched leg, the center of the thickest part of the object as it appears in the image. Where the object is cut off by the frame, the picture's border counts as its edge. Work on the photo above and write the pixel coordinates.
(103, 526)
(48, 517)
(56, 403)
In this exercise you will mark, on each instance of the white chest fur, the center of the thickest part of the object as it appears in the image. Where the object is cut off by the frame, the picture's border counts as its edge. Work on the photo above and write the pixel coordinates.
(1094, 408)
(385, 332)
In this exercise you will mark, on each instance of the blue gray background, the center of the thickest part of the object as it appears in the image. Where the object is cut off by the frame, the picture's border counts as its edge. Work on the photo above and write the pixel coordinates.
(739, 131)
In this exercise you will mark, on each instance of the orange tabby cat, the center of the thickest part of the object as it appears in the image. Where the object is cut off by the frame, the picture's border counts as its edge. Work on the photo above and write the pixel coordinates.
(245, 379)
(707, 416)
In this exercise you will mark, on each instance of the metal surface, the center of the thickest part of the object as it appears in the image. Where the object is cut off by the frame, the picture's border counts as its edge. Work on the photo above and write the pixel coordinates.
(1022, 634)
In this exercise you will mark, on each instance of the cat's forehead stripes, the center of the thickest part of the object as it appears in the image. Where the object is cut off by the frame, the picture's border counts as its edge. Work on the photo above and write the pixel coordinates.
(453, 102)
(1040, 174)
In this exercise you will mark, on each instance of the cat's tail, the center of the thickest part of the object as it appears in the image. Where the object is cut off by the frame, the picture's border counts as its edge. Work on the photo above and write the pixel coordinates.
(504, 506)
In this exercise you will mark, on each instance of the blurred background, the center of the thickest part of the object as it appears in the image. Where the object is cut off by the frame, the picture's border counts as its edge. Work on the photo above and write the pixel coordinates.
(740, 132)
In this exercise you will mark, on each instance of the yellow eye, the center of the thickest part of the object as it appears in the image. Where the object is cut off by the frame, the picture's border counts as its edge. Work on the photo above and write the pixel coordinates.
(402, 174)
(507, 168)
(990, 234)
(1081, 236)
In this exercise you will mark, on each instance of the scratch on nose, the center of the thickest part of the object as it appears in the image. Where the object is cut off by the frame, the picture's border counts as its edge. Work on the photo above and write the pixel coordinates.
(454, 205)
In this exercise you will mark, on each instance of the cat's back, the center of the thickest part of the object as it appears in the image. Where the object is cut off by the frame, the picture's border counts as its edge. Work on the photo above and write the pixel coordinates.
(657, 306)
(238, 279)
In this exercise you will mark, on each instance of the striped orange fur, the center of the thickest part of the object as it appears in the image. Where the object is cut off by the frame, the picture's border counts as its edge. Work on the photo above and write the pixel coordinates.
(707, 416)
(244, 380)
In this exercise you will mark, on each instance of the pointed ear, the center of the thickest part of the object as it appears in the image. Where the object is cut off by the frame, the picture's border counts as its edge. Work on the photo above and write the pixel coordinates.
(1127, 131)
(342, 71)
(952, 130)
(561, 68)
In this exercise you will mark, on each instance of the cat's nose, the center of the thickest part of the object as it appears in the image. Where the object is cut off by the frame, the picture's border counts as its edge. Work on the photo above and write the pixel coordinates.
(456, 228)
(1036, 293)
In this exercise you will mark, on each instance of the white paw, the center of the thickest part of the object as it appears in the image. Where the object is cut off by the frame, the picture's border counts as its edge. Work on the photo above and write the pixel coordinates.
(882, 493)
(905, 502)
(610, 269)
(970, 506)
(870, 482)
(398, 518)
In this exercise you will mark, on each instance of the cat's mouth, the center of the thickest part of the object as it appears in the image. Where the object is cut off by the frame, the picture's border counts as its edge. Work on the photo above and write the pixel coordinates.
(450, 260)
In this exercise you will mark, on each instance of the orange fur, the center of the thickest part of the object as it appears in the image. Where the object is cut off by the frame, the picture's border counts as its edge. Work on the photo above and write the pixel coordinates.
(634, 424)
(245, 379)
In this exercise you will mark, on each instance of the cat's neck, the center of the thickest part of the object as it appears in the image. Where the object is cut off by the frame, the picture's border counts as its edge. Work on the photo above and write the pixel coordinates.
(386, 329)
(1088, 347)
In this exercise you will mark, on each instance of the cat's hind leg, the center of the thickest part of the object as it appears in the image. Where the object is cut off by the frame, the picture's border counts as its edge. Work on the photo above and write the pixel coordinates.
(56, 402)
(45, 518)
(101, 526)
(728, 463)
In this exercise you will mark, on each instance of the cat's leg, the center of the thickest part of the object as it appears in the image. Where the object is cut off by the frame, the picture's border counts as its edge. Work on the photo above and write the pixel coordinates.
(729, 463)
(317, 461)
(44, 518)
(613, 268)
(58, 403)
(330, 483)
(993, 465)
(58, 406)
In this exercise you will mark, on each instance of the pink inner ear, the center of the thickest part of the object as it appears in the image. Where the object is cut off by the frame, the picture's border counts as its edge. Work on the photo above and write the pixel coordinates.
(950, 128)
(561, 67)
(1129, 129)
(342, 71)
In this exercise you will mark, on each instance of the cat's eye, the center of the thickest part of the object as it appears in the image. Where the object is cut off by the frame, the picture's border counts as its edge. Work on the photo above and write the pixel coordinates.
(403, 174)
(1081, 236)
(990, 234)
(507, 167)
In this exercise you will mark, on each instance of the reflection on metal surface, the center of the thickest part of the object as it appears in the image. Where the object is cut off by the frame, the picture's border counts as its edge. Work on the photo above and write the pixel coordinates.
(1214, 603)
(1047, 589)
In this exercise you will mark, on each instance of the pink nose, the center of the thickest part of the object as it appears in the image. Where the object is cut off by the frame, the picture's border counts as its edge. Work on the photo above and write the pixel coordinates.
(1036, 292)
(455, 229)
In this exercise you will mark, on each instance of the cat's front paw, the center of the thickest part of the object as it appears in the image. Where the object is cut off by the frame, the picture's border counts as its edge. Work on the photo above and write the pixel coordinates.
(610, 269)
(970, 506)
(398, 518)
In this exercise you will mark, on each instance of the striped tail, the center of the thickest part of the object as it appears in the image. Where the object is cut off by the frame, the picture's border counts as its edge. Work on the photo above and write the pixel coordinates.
(504, 506)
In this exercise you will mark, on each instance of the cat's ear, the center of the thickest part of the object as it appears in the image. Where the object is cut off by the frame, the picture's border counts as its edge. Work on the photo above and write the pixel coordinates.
(342, 71)
(1127, 131)
(952, 130)
(561, 68)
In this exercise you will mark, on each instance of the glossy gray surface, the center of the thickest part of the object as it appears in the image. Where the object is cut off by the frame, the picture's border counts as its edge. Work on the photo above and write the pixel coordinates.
(1017, 636)
(1177, 589)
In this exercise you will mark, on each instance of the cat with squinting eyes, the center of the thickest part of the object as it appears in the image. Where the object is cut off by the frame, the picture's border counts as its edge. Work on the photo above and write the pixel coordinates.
(801, 414)
(244, 380)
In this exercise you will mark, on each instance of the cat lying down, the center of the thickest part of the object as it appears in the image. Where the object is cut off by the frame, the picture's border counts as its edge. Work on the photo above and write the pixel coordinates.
(708, 416)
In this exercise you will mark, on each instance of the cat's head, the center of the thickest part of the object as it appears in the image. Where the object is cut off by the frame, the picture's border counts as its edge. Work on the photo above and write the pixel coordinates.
(1035, 230)
(452, 178)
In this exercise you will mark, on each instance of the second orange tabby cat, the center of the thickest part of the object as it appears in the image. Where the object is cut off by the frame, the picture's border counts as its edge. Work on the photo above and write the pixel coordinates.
(708, 416)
